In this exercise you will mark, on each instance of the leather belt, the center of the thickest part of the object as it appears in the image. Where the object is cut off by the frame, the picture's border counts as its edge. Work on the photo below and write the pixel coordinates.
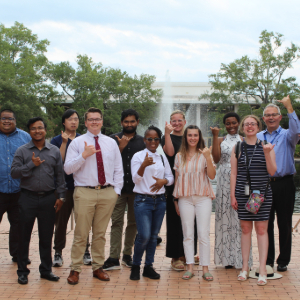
(98, 187)
(37, 193)
(280, 178)
(151, 196)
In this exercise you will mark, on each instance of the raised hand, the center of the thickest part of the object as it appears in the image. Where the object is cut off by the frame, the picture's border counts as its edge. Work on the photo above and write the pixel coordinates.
(65, 137)
(286, 101)
(36, 160)
(123, 142)
(267, 148)
(157, 185)
(168, 128)
(215, 131)
(206, 152)
(89, 150)
(148, 161)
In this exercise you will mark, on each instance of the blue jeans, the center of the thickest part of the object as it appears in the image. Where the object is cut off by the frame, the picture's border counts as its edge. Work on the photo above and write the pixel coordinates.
(149, 213)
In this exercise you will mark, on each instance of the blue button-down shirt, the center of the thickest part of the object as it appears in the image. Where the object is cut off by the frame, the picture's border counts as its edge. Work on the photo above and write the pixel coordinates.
(285, 141)
(8, 146)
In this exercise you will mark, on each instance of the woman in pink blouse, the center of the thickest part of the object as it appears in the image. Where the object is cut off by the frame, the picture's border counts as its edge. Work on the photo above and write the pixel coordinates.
(193, 196)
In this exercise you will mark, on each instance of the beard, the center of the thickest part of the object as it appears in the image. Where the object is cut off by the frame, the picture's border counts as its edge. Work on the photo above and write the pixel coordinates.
(129, 130)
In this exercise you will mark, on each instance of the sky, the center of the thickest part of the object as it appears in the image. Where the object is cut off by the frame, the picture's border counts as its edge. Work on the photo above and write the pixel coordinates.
(189, 38)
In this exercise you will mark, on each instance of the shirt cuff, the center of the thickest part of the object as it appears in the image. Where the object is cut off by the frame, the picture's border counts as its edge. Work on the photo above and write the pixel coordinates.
(117, 190)
(292, 115)
(30, 165)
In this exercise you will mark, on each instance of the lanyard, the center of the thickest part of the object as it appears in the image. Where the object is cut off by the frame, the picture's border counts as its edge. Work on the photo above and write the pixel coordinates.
(265, 136)
(246, 158)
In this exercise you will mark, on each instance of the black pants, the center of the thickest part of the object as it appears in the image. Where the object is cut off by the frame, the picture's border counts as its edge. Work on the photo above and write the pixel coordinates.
(32, 207)
(9, 204)
(61, 223)
(283, 203)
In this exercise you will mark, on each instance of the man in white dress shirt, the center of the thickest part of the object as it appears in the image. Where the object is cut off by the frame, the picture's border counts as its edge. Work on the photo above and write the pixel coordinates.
(96, 164)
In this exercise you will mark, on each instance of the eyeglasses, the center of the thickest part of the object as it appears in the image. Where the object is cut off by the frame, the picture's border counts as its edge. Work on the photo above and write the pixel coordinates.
(37, 128)
(151, 139)
(3, 119)
(97, 120)
(73, 119)
(271, 115)
(250, 124)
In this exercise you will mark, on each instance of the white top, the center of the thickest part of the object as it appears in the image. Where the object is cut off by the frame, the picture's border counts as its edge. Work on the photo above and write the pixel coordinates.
(158, 170)
(85, 171)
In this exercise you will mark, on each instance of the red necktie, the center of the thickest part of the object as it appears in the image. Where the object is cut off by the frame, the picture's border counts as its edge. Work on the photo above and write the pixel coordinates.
(100, 167)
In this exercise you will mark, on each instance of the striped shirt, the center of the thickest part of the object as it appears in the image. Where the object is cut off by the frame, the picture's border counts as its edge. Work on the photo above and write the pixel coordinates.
(192, 178)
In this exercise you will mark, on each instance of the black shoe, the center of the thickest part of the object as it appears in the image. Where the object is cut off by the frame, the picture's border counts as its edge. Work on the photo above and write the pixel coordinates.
(111, 264)
(127, 261)
(150, 272)
(15, 259)
(50, 276)
(281, 268)
(228, 267)
(135, 272)
(23, 279)
(159, 240)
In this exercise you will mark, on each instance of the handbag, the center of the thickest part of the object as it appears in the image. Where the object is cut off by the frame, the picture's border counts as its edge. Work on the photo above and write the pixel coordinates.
(256, 199)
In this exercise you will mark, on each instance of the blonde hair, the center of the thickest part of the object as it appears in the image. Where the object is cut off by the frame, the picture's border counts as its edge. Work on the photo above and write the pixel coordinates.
(253, 117)
(175, 112)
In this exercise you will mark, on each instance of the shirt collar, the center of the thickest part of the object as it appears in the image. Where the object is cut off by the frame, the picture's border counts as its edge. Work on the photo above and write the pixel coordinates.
(149, 152)
(13, 133)
(92, 135)
(32, 145)
(278, 129)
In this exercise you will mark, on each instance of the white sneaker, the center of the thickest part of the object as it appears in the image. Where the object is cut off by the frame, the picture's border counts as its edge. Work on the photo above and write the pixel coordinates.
(58, 260)
(87, 258)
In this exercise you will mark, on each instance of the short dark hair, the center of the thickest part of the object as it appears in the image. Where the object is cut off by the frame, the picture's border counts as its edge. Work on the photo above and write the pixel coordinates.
(91, 110)
(67, 114)
(33, 120)
(231, 114)
(129, 112)
(158, 131)
(8, 110)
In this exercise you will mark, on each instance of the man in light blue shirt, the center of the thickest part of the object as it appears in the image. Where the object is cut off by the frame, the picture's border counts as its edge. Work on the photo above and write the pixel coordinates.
(282, 183)
(11, 138)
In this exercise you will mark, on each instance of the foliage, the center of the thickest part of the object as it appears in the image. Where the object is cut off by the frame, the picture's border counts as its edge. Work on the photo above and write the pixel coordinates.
(23, 86)
(257, 81)
(111, 90)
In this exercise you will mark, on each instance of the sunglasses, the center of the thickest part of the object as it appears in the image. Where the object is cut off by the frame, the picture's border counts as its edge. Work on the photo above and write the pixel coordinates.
(151, 139)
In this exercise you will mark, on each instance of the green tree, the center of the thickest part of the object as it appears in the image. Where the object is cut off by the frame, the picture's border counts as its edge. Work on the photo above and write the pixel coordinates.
(257, 81)
(111, 90)
(23, 84)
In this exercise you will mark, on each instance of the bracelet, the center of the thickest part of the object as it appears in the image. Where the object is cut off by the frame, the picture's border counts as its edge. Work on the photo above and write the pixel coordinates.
(175, 199)
(167, 181)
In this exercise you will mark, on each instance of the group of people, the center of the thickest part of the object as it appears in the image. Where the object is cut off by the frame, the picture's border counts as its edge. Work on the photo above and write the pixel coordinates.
(99, 176)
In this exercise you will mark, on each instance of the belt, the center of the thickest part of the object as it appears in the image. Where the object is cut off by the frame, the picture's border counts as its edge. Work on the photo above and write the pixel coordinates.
(98, 187)
(151, 196)
(37, 193)
(280, 178)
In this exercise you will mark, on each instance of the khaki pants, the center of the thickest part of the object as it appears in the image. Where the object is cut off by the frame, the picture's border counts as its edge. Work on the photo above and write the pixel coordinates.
(92, 208)
(117, 220)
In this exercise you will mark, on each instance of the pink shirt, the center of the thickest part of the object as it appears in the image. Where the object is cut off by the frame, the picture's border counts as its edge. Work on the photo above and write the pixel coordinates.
(192, 178)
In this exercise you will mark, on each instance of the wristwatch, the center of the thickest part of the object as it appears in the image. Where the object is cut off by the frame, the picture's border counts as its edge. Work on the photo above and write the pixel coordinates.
(62, 199)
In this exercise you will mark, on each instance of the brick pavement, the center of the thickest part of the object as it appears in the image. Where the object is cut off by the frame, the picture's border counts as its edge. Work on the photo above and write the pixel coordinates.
(170, 286)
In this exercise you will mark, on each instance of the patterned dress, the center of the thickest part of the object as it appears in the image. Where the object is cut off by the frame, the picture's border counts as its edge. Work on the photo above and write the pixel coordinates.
(227, 225)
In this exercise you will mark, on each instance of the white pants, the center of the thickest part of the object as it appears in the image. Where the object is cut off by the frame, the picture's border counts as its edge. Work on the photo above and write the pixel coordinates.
(200, 207)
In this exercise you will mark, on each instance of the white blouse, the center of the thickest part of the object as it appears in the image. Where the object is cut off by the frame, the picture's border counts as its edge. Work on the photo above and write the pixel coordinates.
(158, 170)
